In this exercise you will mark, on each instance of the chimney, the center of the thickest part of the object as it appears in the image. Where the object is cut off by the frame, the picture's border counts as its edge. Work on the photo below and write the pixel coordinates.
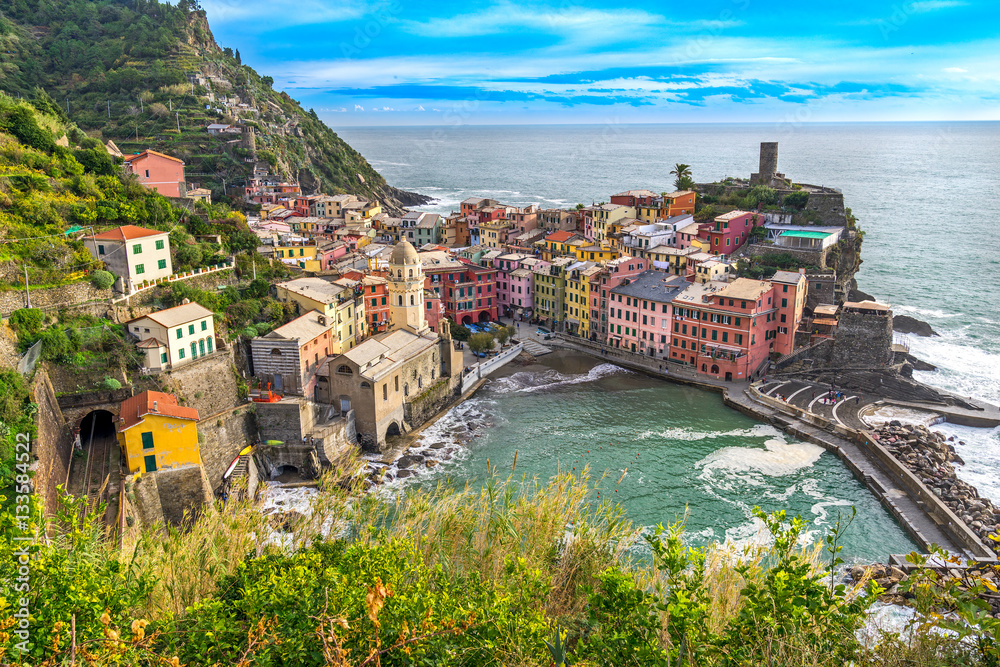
(802, 271)
(155, 409)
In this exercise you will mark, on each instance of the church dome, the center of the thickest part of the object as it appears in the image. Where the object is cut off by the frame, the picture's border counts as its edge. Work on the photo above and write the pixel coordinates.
(404, 254)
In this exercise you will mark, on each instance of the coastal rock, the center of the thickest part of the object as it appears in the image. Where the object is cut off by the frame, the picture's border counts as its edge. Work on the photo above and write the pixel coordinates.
(911, 325)
(403, 474)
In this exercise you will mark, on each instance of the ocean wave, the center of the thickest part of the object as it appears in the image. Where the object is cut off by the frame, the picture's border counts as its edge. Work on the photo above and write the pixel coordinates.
(965, 366)
(527, 381)
(981, 453)
(924, 312)
(681, 433)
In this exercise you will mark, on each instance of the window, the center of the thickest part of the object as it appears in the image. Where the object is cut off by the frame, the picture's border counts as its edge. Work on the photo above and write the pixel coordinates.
(139, 268)
(159, 244)
(137, 249)
(191, 329)
(209, 345)
(725, 336)
(396, 381)
(161, 263)
(385, 392)
(147, 173)
(100, 250)
(180, 353)
(194, 350)
(180, 332)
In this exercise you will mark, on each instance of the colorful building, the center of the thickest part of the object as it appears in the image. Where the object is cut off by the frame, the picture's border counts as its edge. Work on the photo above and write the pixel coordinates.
(342, 304)
(640, 311)
(611, 275)
(155, 433)
(290, 356)
(725, 330)
(578, 285)
(134, 254)
(175, 336)
(679, 203)
(730, 231)
(790, 293)
(158, 172)
(550, 290)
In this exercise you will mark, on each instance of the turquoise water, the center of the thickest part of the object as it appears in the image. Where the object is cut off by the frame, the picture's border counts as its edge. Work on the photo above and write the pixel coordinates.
(680, 450)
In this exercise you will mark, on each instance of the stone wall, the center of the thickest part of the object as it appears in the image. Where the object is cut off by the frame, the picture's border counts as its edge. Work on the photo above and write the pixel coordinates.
(74, 295)
(815, 258)
(221, 437)
(822, 289)
(829, 206)
(209, 384)
(53, 445)
(862, 341)
(151, 300)
(166, 495)
(431, 401)
(312, 436)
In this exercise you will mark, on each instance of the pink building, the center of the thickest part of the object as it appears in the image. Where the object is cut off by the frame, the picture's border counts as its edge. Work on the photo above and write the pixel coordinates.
(640, 313)
(434, 309)
(730, 231)
(512, 292)
(615, 272)
(158, 172)
(328, 253)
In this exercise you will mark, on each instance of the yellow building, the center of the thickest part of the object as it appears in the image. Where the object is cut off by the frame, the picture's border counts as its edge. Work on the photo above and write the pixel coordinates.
(577, 304)
(606, 214)
(155, 433)
(297, 252)
(341, 302)
(595, 253)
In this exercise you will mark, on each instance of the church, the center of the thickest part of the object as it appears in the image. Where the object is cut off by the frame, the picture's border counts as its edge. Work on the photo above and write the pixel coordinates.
(394, 381)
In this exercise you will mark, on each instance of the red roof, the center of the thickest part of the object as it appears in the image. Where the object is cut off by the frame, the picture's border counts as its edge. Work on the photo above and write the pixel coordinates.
(147, 153)
(152, 402)
(127, 233)
(559, 236)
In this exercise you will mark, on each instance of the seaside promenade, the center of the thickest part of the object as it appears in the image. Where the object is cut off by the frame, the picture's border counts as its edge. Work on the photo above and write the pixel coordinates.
(803, 410)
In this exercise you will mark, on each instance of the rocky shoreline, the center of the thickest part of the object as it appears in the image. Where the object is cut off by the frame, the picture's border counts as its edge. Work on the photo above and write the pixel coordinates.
(931, 457)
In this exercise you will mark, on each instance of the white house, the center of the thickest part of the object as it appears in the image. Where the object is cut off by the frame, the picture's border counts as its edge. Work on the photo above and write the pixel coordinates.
(134, 254)
(175, 336)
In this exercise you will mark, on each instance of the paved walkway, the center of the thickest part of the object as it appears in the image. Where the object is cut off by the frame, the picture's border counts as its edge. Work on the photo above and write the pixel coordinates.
(815, 397)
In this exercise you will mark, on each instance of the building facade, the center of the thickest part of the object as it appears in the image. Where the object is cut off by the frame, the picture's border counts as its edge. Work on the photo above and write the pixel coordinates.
(175, 336)
(134, 254)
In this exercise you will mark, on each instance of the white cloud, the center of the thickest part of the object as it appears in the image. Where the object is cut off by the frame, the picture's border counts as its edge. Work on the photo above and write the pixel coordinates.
(924, 6)
(358, 107)
(421, 108)
(262, 15)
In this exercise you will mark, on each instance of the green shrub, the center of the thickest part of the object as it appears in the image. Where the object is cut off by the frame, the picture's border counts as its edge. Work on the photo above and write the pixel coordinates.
(102, 279)
(26, 322)
(796, 200)
(111, 383)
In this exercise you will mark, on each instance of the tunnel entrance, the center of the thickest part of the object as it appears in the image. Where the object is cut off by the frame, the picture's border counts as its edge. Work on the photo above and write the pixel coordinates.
(97, 425)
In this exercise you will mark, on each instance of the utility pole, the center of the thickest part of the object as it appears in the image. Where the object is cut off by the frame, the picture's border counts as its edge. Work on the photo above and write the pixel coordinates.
(27, 292)
(253, 260)
(109, 108)
(141, 110)
(178, 122)
(171, 102)
(67, 104)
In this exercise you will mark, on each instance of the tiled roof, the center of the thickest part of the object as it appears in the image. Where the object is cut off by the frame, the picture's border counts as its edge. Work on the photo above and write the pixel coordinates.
(152, 402)
(149, 152)
(182, 314)
(127, 233)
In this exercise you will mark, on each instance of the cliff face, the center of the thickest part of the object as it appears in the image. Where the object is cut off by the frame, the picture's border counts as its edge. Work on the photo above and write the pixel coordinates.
(151, 75)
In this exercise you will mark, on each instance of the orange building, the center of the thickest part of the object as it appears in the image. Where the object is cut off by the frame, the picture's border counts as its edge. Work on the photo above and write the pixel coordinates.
(158, 172)
(679, 203)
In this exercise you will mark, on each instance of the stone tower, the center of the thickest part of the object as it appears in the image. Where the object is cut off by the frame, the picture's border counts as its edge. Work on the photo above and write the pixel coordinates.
(406, 290)
(767, 171)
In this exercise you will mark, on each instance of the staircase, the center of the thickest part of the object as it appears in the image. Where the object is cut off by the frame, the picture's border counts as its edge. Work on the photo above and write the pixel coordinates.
(534, 348)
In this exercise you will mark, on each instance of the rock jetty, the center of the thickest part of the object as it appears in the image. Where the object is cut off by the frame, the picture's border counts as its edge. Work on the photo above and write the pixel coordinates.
(931, 457)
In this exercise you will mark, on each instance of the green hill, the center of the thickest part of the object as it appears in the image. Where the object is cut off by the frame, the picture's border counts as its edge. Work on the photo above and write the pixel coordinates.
(150, 75)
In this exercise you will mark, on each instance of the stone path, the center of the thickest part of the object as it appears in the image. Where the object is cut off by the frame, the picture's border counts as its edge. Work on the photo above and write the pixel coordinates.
(814, 397)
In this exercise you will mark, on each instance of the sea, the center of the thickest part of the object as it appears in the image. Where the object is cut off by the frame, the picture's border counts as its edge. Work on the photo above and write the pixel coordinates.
(927, 196)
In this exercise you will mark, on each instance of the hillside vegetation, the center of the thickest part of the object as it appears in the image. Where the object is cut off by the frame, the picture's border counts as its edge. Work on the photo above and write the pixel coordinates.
(120, 70)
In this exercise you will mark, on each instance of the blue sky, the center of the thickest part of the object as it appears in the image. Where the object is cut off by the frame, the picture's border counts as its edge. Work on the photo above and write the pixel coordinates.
(397, 62)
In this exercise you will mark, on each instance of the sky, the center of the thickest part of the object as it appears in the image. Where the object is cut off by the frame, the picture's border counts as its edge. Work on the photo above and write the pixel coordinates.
(398, 62)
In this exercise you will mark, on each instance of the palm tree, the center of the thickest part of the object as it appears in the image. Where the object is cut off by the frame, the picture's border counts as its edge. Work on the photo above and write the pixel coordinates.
(683, 173)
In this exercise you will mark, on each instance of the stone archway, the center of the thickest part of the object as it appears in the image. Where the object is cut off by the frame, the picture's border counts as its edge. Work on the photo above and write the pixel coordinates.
(484, 316)
(467, 319)
(393, 430)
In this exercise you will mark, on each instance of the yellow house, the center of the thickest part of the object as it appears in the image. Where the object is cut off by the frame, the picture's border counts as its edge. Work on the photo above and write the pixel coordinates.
(595, 253)
(298, 252)
(155, 433)
(342, 304)
(577, 304)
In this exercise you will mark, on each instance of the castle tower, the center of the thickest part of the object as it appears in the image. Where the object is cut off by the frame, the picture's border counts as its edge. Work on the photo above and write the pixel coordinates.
(406, 290)
(767, 170)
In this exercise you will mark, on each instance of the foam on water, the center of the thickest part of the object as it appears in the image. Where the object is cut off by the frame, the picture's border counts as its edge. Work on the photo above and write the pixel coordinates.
(528, 381)
(981, 453)
(778, 458)
(681, 433)
(887, 413)
(965, 367)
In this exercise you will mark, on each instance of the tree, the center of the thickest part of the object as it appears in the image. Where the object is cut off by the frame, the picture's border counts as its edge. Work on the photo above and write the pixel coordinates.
(504, 334)
(761, 194)
(682, 172)
(796, 200)
(267, 81)
(239, 61)
(481, 342)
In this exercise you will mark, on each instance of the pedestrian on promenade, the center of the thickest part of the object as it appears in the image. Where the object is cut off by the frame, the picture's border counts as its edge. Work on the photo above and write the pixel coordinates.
(814, 394)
